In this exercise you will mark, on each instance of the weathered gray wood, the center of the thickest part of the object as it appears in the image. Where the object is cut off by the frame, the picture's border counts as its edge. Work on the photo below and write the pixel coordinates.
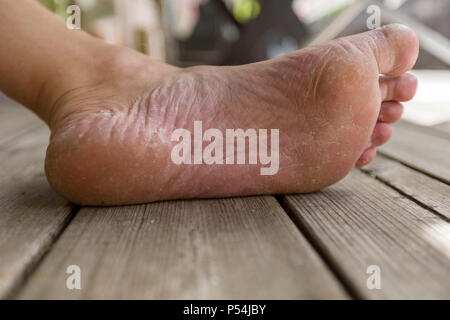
(430, 192)
(443, 127)
(16, 120)
(422, 148)
(361, 222)
(428, 130)
(31, 214)
(216, 249)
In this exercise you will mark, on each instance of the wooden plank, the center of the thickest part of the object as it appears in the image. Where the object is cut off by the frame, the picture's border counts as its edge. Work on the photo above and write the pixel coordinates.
(361, 222)
(426, 130)
(200, 249)
(443, 127)
(31, 214)
(421, 148)
(428, 191)
(16, 120)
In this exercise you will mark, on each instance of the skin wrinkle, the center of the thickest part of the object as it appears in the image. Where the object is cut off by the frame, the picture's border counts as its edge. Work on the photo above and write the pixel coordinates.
(376, 38)
(174, 100)
(77, 93)
(158, 106)
(265, 97)
(147, 113)
(113, 122)
(125, 123)
(206, 101)
(216, 102)
(296, 69)
(318, 75)
(229, 96)
(159, 97)
(183, 103)
(141, 119)
(386, 37)
(355, 47)
(275, 96)
(132, 125)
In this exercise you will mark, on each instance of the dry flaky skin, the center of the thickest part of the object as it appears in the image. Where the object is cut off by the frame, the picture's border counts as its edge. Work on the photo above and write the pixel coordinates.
(111, 143)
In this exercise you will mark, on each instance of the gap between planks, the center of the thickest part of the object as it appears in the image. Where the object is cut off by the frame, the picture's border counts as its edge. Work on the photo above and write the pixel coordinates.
(421, 148)
(361, 222)
(430, 193)
(235, 248)
(31, 215)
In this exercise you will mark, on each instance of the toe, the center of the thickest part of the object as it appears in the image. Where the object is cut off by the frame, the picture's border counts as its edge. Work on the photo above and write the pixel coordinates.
(395, 47)
(367, 156)
(381, 134)
(401, 88)
(390, 111)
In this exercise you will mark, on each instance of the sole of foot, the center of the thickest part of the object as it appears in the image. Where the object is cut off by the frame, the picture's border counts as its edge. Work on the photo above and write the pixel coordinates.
(332, 105)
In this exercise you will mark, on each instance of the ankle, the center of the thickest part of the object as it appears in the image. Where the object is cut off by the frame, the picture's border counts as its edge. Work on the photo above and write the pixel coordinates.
(94, 66)
(78, 69)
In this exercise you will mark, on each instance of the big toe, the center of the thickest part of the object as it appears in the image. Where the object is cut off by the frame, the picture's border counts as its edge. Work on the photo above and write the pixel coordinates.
(395, 47)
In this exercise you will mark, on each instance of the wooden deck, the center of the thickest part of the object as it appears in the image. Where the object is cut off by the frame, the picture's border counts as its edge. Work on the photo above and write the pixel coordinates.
(394, 214)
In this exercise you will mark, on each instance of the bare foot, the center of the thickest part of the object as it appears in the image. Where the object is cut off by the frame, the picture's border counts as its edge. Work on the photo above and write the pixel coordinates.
(111, 142)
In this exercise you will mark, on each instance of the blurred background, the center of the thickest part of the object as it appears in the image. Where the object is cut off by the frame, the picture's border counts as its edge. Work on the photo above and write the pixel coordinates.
(228, 32)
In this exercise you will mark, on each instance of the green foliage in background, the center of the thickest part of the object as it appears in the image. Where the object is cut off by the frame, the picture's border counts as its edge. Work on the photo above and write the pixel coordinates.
(246, 10)
(57, 6)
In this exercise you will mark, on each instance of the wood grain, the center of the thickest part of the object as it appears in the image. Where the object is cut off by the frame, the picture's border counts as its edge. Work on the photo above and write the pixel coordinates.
(31, 214)
(421, 148)
(201, 249)
(428, 191)
(361, 222)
